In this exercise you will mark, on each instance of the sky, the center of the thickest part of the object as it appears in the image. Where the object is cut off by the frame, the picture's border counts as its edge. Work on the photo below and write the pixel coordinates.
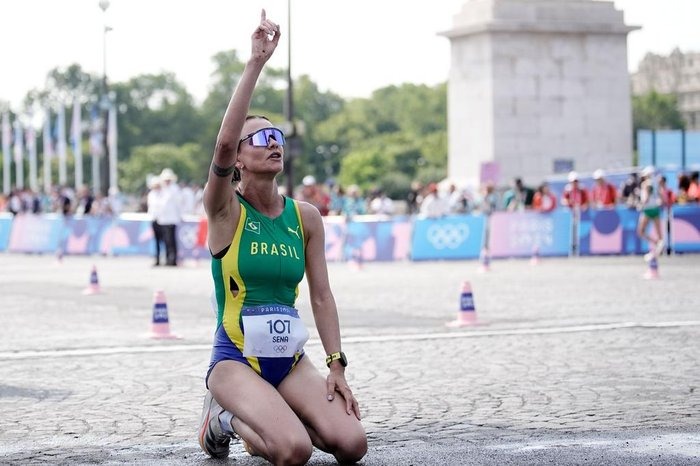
(351, 48)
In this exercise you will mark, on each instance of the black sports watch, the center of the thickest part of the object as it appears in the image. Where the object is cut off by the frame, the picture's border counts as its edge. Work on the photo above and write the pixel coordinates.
(339, 356)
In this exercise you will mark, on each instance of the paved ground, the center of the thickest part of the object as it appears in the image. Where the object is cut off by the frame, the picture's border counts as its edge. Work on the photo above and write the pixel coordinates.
(576, 361)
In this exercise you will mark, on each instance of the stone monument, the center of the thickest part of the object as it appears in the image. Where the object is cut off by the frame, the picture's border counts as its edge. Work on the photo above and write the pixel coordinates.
(538, 87)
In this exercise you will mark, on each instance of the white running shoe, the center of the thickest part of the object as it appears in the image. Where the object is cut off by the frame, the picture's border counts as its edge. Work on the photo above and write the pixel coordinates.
(659, 247)
(212, 438)
(649, 256)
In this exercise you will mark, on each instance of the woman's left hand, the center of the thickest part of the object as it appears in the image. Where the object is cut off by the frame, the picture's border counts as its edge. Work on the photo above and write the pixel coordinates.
(335, 382)
(265, 38)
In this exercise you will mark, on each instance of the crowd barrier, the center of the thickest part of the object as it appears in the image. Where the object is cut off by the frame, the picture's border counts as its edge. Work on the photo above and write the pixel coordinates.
(375, 238)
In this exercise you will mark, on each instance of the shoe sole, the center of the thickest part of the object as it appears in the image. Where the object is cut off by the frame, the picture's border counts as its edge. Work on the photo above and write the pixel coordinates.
(204, 423)
(203, 431)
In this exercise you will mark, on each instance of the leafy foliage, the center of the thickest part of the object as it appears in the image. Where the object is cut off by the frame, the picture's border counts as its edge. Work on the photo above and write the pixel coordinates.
(656, 111)
(154, 158)
(385, 141)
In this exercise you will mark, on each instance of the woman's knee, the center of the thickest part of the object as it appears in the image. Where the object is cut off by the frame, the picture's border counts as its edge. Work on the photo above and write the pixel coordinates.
(290, 450)
(350, 448)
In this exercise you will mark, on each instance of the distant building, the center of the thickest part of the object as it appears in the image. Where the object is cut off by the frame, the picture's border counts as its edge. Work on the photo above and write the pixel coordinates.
(537, 87)
(677, 73)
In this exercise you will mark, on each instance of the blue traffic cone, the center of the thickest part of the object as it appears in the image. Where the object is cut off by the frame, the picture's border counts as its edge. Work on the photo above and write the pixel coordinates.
(467, 308)
(160, 328)
(94, 286)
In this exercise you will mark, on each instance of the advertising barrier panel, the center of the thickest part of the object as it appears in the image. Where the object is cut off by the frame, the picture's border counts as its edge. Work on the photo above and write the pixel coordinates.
(685, 229)
(520, 234)
(610, 231)
(5, 229)
(371, 238)
(453, 237)
(377, 238)
(36, 233)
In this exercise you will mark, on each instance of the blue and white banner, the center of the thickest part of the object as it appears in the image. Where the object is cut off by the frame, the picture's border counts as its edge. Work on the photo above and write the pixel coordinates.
(454, 237)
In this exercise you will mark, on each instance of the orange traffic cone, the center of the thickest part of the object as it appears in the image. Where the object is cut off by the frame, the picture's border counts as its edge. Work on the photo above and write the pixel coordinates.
(94, 286)
(535, 259)
(160, 328)
(467, 308)
(652, 272)
(484, 261)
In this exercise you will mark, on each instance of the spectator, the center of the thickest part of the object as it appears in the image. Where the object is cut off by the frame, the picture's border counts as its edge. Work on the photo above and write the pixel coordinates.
(170, 214)
(337, 201)
(433, 205)
(14, 203)
(85, 201)
(683, 189)
(604, 194)
(154, 202)
(489, 200)
(519, 197)
(381, 204)
(354, 202)
(667, 196)
(457, 201)
(414, 197)
(544, 200)
(65, 200)
(694, 188)
(575, 196)
(629, 191)
(314, 194)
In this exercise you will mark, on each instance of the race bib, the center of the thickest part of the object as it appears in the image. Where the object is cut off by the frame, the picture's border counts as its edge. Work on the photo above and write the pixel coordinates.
(272, 331)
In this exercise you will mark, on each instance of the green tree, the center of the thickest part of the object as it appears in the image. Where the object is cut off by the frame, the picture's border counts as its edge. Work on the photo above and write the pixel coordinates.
(63, 84)
(152, 159)
(407, 125)
(363, 167)
(655, 111)
(155, 109)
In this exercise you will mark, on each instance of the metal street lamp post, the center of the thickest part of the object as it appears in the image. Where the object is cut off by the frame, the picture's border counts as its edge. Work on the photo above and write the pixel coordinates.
(104, 170)
(289, 111)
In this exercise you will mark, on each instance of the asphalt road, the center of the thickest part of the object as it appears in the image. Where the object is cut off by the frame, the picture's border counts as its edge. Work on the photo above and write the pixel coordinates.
(573, 361)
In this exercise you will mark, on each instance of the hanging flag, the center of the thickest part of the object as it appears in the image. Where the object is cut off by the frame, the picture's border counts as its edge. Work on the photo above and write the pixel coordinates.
(19, 155)
(76, 139)
(47, 139)
(96, 136)
(6, 158)
(61, 144)
(30, 136)
(112, 143)
(48, 150)
(19, 142)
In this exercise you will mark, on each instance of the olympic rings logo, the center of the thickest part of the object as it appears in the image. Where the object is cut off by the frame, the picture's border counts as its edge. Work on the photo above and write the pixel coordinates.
(279, 349)
(448, 236)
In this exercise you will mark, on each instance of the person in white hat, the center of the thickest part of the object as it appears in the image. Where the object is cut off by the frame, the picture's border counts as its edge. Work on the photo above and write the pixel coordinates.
(650, 203)
(314, 194)
(170, 214)
(574, 196)
(262, 386)
(154, 205)
(604, 194)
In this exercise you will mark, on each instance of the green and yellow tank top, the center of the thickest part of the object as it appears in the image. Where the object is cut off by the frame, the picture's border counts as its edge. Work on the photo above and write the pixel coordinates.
(263, 265)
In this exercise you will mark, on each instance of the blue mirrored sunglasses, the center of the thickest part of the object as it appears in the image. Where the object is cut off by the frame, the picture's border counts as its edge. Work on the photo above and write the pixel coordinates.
(261, 137)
